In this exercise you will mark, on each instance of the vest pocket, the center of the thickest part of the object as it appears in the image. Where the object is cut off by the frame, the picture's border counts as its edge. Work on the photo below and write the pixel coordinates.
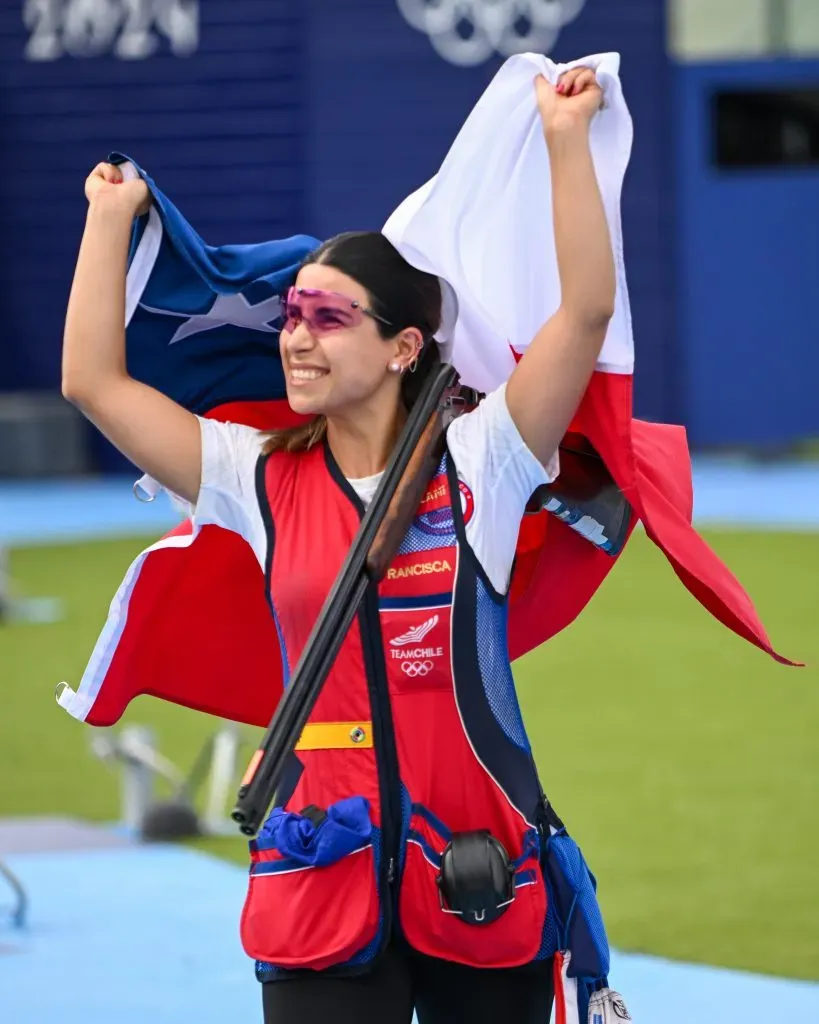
(312, 898)
(576, 922)
(432, 928)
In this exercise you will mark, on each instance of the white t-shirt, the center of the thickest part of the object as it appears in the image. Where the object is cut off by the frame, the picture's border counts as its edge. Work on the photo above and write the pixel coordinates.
(489, 455)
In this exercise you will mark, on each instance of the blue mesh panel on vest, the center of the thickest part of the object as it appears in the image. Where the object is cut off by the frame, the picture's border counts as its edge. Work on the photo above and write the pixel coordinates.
(496, 673)
(587, 932)
(575, 907)
(550, 943)
(426, 538)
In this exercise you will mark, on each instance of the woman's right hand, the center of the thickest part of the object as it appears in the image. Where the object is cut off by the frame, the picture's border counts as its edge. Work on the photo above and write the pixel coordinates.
(572, 103)
(150, 429)
(105, 183)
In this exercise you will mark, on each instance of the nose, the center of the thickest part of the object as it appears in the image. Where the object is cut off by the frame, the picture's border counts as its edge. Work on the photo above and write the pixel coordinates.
(300, 341)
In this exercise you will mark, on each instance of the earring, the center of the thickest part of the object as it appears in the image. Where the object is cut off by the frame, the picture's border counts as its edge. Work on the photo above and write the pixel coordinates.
(412, 366)
(394, 367)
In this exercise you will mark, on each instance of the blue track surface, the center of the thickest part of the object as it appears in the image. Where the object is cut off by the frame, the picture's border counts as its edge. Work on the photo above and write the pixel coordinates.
(150, 936)
(780, 496)
(132, 936)
(34, 513)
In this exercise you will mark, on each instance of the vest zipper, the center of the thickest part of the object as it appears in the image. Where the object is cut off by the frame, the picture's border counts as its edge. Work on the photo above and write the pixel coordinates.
(386, 755)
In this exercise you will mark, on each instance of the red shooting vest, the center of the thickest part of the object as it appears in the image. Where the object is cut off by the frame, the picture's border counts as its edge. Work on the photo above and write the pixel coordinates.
(419, 716)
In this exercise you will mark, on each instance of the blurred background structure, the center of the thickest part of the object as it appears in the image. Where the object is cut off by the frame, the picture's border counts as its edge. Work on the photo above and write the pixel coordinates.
(688, 771)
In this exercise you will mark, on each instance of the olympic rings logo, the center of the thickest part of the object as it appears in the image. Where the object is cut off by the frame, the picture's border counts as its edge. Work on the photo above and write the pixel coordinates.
(468, 32)
(416, 668)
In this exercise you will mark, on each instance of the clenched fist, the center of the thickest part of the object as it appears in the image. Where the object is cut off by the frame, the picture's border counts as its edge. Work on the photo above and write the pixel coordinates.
(572, 103)
(105, 184)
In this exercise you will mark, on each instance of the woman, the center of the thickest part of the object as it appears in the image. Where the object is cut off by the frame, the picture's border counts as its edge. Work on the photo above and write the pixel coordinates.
(403, 871)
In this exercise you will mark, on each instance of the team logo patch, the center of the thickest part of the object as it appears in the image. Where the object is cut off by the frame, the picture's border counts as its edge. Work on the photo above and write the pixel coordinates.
(435, 513)
(416, 634)
(436, 495)
(417, 650)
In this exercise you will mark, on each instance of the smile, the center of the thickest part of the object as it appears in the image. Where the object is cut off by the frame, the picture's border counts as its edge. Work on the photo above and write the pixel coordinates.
(304, 376)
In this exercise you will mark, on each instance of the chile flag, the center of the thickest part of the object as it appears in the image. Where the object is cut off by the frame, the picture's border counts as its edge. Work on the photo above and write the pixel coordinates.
(190, 622)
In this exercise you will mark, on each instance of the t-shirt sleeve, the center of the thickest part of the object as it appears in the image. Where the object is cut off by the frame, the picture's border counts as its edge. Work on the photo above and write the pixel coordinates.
(494, 462)
(227, 491)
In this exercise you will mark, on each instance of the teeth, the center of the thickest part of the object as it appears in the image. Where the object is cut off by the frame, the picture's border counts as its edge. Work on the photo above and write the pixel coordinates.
(306, 374)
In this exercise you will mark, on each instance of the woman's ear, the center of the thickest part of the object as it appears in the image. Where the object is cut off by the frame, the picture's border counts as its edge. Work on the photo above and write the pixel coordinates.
(410, 342)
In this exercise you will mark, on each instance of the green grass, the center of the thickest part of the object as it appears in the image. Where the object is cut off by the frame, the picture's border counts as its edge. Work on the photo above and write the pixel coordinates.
(46, 764)
(684, 760)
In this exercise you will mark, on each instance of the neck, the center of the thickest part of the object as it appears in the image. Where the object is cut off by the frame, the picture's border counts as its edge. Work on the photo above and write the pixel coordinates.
(362, 443)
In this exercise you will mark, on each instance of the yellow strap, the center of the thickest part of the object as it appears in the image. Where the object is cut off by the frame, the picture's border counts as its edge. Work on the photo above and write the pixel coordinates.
(336, 736)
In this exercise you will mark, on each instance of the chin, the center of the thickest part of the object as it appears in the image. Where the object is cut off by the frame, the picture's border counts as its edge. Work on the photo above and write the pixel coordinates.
(304, 405)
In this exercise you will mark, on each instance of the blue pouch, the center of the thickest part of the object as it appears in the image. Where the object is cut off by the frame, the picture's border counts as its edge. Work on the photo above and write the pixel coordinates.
(345, 828)
(576, 921)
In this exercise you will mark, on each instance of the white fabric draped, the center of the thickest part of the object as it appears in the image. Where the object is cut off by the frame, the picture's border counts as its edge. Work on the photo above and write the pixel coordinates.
(484, 223)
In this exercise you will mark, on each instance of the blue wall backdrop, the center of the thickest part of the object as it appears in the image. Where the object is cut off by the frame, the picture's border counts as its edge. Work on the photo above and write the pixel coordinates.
(222, 130)
(266, 117)
(385, 107)
(748, 272)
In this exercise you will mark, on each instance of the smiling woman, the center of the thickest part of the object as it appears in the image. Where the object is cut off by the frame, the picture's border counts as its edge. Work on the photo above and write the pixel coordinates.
(356, 308)
(418, 798)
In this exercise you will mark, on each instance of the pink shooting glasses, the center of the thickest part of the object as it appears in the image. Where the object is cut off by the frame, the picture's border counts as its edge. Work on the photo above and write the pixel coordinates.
(324, 312)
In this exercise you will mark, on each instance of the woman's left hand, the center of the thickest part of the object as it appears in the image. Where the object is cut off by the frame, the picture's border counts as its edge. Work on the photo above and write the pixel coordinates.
(572, 103)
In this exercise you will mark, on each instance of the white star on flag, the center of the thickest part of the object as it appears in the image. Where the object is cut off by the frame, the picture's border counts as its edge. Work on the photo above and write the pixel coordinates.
(226, 309)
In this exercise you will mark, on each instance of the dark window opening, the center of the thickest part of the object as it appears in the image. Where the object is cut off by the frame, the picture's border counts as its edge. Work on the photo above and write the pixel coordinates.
(775, 128)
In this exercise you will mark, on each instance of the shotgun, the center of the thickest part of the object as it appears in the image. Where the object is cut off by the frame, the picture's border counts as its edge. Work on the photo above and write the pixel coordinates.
(411, 467)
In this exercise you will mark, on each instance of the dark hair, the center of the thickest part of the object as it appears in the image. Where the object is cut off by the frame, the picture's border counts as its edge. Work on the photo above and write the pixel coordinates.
(396, 291)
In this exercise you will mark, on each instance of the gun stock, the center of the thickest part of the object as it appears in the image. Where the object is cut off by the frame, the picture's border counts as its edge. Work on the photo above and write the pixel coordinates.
(408, 494)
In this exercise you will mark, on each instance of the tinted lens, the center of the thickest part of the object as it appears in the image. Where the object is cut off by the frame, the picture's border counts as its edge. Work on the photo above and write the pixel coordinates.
(326, 317)
(291, 312)
(323, 312)
(292, 319)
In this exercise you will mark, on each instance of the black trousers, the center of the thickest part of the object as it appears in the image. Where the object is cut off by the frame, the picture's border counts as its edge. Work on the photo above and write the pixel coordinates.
(402, 981)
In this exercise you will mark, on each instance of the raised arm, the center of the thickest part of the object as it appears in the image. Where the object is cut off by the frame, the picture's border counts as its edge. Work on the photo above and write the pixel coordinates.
(549, 381)
(155, 433)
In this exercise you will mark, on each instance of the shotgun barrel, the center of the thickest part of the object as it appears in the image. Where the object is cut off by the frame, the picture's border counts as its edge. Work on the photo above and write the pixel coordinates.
(383, 526)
